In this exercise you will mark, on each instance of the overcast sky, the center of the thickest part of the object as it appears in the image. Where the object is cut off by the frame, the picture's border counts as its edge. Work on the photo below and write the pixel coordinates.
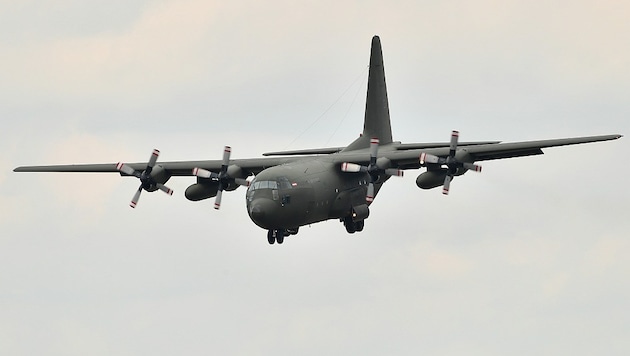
(529, 257)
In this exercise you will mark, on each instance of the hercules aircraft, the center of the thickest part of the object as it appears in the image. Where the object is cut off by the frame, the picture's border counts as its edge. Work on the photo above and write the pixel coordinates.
(296, 188)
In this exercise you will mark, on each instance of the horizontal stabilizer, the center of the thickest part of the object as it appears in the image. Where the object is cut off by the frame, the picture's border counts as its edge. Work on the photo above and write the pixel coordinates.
(305, 152)
(424, 146)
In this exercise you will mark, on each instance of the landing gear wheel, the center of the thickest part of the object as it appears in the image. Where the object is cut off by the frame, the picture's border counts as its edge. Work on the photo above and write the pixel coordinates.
(270, 237)
(275, 235)
(351, 227)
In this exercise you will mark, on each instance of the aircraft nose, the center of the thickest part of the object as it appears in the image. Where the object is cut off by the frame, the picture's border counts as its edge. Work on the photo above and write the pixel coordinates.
(260, 211)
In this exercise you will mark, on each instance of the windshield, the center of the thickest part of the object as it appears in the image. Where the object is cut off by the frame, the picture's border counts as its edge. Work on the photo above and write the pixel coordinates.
(264, 184)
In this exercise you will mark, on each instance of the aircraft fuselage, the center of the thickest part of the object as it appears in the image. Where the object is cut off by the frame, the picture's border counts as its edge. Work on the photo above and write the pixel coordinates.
(300, 193)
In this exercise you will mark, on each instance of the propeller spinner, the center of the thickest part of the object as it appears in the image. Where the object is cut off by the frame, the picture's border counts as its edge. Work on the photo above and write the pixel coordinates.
(450, 162)
(146, 180)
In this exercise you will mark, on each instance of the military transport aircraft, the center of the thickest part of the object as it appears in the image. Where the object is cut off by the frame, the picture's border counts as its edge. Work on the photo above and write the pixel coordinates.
(302, 187)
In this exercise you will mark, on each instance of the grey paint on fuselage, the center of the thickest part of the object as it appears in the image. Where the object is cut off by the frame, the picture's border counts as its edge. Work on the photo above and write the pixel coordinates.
(314, 190)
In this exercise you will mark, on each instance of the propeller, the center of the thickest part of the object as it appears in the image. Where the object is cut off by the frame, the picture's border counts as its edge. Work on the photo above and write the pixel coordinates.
(222, 177)
(146, 180)
(373, 170)
(450, 161)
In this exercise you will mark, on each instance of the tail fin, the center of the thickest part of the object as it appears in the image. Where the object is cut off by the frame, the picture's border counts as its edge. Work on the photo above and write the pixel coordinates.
(376, 122)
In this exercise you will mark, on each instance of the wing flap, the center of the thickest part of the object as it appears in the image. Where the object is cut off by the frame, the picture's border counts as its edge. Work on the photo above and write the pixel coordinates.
(486, 156)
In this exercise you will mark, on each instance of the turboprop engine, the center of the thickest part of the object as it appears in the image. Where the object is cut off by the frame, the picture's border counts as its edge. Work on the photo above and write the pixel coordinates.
(159, 175)
(212, 184)
(456, 163)
(151, 178)
(209, 187)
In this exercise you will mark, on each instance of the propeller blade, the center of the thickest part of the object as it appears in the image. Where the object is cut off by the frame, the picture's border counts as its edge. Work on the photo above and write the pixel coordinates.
(226, 155)
(472, 167)
(153, 158)
(147, 182)
(454, 139)
(351, 167)
(241, 181)
(164, 188)
(394, 172)
(428, 158)
(121, 167)
(217, 200)
(370, 193)
(447, 184)
(136, 197)
(202, 173)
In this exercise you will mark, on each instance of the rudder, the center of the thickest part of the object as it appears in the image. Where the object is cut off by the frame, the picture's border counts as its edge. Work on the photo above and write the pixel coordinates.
(376, 122)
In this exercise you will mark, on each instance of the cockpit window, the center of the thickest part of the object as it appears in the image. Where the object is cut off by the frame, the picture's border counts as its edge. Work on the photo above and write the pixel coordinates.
(264, 184)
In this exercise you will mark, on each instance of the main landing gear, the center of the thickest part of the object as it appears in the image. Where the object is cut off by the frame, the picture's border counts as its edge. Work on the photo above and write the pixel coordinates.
(278, 235)
(353, 226)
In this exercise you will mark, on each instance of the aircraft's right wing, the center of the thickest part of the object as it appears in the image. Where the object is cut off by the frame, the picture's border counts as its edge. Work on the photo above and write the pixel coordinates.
(520, 149)
(409, 159)
(181, 168)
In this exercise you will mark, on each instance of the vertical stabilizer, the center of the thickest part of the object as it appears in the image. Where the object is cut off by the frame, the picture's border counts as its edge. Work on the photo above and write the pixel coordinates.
(376, 122)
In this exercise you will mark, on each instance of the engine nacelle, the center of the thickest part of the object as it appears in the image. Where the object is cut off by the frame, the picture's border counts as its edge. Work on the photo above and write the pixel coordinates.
(431, 179)
(202, 190)
(234, 171)
(159, 175)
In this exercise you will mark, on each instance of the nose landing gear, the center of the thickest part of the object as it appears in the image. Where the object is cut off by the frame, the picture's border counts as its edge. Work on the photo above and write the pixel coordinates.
(277, 235)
